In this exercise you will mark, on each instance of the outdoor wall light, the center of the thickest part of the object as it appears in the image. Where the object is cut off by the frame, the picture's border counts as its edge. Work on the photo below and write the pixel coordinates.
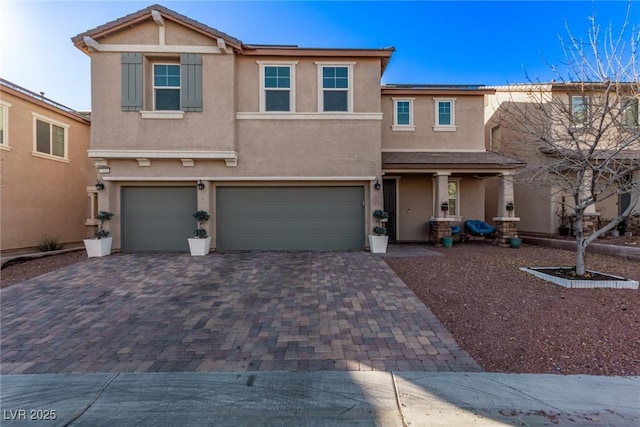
(200, 185)
(376, 185)
(444, 206)
(99, 185)
(509, 206)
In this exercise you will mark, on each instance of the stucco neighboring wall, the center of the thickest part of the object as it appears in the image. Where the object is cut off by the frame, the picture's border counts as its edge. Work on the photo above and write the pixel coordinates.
(42, 196)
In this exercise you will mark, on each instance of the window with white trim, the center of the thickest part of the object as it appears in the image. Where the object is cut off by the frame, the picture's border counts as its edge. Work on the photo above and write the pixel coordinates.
(403, 114)
(4, 123)
(277, 86)
(445, 114)
(630, 113)
(335, 81)
(166, 87)
(50, 137)
(580, 109)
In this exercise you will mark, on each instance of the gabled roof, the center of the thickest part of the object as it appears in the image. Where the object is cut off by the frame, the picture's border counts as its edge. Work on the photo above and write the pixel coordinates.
(144, 14)
(245, 49)
(449, 160)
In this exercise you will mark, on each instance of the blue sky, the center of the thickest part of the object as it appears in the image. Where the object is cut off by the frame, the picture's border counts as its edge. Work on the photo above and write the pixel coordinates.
(474, 42)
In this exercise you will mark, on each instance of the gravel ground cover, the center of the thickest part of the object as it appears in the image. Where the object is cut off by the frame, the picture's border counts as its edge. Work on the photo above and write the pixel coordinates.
(508, 320)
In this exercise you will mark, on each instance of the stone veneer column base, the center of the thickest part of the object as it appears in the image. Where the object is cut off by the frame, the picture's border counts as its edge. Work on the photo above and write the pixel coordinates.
(589, 223)
(440, 227)
(505, 229)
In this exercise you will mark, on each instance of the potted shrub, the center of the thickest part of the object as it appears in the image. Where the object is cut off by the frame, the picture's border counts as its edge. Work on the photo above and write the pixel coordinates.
(378, 240)
(101, 245)
(199, 244)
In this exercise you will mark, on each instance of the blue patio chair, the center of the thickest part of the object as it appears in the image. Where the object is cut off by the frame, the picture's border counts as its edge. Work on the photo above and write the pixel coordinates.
(475, 227)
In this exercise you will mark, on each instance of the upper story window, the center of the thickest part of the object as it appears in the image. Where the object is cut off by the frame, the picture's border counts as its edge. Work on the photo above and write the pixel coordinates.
(50, 137)
(445, 114)
(335, 83)
(277, 86)
(580, 109)
(174, 87)
(403, 114)
(166, 87)
(4, 123)
(630, 113)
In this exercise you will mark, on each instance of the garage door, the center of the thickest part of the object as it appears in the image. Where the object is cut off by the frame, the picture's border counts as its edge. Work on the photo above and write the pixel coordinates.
(157, 218)
(290, 218)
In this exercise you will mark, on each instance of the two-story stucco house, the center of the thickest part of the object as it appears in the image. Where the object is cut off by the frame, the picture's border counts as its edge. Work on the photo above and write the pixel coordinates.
(45, 172)
(598, 116)
(287, 148)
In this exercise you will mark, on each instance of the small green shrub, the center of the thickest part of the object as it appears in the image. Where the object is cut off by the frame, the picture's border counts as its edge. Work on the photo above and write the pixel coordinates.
(48, 244)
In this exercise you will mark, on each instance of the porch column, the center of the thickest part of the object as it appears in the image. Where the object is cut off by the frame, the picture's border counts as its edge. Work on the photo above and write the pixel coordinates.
(506, 219)
(441, 221)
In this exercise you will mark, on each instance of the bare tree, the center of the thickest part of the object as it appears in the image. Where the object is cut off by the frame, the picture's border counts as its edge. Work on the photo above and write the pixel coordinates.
(581, 131)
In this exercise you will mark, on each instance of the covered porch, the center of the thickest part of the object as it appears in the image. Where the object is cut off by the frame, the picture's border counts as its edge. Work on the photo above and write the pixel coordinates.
(428, 193)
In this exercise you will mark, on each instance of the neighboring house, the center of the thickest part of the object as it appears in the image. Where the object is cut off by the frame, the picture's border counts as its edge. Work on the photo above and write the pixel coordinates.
(287, 147)
(45, 172)
(539, 203)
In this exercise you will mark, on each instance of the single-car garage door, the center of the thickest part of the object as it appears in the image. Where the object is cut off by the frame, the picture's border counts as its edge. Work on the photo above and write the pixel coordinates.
(290, 218)
(157, 218)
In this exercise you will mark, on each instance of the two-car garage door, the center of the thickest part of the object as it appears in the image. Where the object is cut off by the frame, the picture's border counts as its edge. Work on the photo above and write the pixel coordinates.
(290, 218)
(247, 218)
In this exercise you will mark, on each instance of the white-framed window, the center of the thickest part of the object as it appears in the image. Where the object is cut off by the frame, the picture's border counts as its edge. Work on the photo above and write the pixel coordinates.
(630, 113)
(50, 137)
(166, 87)
(277, 86)
(403, 114)
(335, 83)
(445, 114)
(580, 109)
(4, 124)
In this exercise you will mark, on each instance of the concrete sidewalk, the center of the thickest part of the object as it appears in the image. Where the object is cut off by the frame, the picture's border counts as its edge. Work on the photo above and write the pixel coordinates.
(318, 398)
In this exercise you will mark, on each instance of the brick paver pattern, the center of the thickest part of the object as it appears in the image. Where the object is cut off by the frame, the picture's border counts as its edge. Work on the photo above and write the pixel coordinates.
(264, 311)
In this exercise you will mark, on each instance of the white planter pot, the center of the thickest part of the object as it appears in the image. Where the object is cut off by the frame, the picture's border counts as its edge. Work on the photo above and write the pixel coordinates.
(199, 247)
(98, 247)
(378, 244)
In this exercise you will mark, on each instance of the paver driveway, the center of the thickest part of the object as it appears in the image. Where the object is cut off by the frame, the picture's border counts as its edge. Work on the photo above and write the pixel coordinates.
(272, 311)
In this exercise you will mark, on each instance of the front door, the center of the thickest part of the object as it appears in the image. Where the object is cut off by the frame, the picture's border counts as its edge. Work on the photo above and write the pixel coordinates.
(389, 194)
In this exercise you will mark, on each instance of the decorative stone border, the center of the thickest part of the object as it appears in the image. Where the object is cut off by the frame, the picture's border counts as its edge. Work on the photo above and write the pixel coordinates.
(616, 282)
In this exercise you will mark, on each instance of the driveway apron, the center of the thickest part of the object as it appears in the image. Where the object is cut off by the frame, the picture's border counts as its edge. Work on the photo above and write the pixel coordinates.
(266, 311)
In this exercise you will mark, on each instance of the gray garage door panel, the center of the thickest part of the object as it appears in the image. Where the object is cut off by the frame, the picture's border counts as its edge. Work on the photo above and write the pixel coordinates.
(158, 218)
(290, 218)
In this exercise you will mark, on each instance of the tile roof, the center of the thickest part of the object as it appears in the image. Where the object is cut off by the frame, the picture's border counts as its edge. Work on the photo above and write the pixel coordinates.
(450, 159)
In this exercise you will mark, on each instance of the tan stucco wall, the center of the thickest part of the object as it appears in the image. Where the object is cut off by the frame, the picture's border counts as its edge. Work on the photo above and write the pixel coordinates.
(468, 119)
(42, 196)
(212, 129)
(366, 81)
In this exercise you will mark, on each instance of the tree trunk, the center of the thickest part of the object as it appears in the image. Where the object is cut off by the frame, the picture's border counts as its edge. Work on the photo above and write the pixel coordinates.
(581, 249)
